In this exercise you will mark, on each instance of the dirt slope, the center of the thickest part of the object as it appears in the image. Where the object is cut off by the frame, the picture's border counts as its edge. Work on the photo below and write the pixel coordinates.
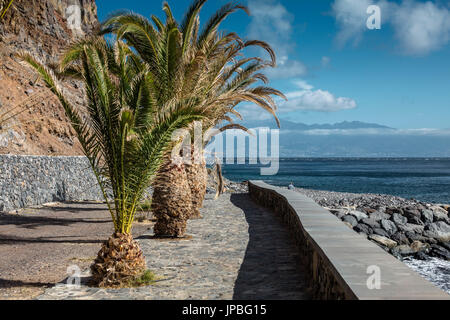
(44, 28)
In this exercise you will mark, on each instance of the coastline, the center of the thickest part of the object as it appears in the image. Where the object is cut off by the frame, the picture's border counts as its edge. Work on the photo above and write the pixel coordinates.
(413, 231)
(421, 179)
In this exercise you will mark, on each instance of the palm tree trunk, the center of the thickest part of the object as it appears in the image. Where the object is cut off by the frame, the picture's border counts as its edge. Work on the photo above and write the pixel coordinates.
(171, 203)
(119, 261)
(197, 176)
(220, 183)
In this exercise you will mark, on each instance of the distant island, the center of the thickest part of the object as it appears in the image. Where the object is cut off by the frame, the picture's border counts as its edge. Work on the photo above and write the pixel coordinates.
(356, 139)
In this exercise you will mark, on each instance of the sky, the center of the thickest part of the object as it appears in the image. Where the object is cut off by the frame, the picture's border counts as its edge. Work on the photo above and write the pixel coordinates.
(332, 67)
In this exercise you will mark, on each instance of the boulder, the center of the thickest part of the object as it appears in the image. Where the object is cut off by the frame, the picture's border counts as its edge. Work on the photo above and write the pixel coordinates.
(409, 227)
(440, 214)
(438, 230)
(371, 223)
(348, 225)
(400, 238)
(398, 218)
(383, 241)
(394, 210)
(439, 210)
(417, 237)
(420, 207)
(440, 252)
(427, 216)
(380, 232)
(363, 228)
(380, 208)
(377, 216)
(366, 210)
(446, 245)
(421, 256)
(418, 246)
(414, 216)
(358, 214)
(350, 220)
(339, 212)
(389, 226)
(411, 211)
(402, 251)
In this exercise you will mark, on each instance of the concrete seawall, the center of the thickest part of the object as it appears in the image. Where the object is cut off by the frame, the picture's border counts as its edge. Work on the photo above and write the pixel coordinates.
(340, 261)
(33, 180)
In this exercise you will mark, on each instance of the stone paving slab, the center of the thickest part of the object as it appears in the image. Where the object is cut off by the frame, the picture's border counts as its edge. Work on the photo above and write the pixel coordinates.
(238, 251)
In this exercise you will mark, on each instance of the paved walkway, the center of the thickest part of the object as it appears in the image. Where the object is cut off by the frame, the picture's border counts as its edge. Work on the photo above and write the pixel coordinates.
(238, 251)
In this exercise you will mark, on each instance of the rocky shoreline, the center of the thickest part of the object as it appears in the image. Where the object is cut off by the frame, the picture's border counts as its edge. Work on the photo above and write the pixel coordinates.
(406, 228)
(402, 227)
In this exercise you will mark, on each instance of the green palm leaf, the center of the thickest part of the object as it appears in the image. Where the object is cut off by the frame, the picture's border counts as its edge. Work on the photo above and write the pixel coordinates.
(123, 133)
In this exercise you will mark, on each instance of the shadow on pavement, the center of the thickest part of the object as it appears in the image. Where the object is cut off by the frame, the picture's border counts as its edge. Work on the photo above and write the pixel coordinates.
(271, 269)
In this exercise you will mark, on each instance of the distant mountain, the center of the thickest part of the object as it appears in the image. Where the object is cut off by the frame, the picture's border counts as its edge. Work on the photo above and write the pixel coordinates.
(354, 139)
(289, 125)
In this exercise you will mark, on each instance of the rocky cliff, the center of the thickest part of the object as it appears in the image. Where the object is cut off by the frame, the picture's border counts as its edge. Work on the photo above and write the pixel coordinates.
(44, 28)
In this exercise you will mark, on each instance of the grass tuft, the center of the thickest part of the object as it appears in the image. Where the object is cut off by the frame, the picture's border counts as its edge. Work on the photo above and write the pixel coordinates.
(146, 279)
(143, 212)
(145, 205)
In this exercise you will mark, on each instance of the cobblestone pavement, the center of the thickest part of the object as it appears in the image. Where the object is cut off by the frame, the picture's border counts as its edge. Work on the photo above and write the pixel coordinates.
(239, 250)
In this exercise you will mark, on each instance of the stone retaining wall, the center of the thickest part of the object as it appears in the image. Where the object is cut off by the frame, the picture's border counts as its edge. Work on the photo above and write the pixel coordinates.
(33, 180)
(339, 261)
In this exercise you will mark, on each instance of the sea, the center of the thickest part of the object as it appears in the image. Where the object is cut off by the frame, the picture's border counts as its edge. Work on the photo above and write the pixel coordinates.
(424, 179)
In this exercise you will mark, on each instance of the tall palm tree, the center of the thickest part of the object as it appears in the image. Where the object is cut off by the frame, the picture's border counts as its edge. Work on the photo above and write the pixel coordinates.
(123, 133)
(201, 64)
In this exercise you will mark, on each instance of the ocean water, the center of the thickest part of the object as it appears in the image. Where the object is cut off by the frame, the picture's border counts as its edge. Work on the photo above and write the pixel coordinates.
(435, 270)
(422, 179)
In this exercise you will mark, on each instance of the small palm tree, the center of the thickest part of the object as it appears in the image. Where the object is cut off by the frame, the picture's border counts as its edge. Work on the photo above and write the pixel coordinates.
(123, 134)
(202, 65)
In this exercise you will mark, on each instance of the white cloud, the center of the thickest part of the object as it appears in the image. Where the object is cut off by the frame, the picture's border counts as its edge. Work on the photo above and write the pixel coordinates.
(351, 17)
(419, 27)
(307, 99)
(325, 61)
(303, 85)
(271, 22)
(303, 99)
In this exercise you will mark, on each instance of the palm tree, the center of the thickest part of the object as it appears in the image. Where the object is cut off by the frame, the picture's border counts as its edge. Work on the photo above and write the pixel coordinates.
(124, 135)
(202, 65)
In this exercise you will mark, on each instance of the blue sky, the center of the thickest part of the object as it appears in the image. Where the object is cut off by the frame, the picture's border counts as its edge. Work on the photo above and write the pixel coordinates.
(333, 68)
